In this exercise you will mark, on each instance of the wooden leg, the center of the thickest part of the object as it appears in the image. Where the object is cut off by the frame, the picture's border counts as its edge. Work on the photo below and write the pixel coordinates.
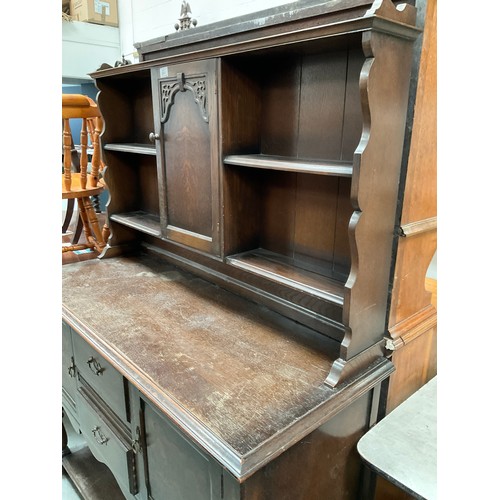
(78, 231)
(95, 237)
(105, 233)
(94, 223)
(97, 204)
(69, 214)
(85, 221)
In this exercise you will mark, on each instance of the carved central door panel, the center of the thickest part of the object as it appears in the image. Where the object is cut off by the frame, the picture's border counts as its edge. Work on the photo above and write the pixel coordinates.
(187, 151)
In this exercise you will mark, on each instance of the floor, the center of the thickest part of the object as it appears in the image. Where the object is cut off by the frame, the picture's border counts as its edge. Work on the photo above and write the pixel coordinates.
(75, 443)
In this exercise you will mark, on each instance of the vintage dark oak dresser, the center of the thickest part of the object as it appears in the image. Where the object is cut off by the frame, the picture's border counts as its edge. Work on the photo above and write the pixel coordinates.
(229, 343)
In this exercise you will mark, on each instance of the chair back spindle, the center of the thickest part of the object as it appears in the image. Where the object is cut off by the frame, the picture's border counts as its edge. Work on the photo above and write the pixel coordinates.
(81, 186)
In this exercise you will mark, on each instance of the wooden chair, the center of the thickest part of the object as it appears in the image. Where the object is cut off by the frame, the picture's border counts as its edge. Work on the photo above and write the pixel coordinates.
(81, 186)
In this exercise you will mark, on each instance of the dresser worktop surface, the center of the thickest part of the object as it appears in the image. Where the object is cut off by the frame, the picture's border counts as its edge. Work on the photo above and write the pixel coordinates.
(240, 379)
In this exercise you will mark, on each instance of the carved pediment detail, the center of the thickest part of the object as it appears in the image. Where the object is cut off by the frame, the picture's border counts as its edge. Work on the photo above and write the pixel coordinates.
(195, 84)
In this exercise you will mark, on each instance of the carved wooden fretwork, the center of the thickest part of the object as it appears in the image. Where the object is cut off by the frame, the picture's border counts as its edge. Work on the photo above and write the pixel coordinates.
(195, 84)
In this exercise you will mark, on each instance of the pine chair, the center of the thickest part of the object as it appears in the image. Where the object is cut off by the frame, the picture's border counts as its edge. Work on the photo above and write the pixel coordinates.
(82, 185)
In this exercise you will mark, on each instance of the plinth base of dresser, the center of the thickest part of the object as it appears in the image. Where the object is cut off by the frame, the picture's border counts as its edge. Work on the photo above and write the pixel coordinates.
(91, 478)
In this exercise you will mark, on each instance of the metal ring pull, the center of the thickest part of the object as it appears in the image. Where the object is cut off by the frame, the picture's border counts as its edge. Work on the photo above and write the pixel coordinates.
(95, 366)
(99, 436)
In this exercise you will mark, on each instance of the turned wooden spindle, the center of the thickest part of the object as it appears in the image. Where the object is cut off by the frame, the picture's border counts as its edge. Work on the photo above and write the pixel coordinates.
(67, 154)
(75, 185)
(84, 159)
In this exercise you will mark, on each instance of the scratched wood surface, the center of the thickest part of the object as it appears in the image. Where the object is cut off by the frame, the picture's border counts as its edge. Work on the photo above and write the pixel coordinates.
(242, 370)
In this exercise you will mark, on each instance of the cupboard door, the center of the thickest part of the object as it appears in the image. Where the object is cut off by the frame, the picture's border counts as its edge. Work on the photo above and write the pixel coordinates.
(185, 97)
(173, 466)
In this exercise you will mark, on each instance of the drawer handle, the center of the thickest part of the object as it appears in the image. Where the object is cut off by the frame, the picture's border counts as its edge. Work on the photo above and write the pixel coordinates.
(72, 368)
(95, 366)
(136, 443)
(99, 436)
(154, 137)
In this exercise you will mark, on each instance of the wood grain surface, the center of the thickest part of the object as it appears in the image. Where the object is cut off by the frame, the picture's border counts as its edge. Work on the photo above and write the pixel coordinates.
(242, 373)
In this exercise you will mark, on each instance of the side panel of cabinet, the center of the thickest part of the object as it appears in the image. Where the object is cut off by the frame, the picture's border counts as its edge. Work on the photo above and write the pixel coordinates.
(172, 466)
(185, 109)
(69, 387)
(68, 363)
(325, 465)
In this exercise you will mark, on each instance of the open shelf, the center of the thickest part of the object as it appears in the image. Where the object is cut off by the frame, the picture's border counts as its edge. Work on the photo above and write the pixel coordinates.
(133, 147)
(277, 268)
(140, 220)
(286, 164)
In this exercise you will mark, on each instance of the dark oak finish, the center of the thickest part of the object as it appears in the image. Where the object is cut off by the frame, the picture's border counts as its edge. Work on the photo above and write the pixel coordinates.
(288, 164)
(193, 376)
(242, 297)
(186, 123)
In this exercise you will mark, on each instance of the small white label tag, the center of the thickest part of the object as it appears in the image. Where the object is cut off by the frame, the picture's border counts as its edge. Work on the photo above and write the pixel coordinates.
(164, 72)
(99, 5)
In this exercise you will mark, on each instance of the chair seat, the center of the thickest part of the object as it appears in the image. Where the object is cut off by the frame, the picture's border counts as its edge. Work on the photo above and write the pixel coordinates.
(77, 191)
(83, 108)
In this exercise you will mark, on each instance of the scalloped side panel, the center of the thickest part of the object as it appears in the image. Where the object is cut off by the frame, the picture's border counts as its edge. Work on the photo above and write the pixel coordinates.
(403, 13)
(384, 85)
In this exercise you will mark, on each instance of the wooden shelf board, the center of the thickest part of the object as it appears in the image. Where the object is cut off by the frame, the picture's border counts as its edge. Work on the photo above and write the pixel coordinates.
(140, 220)
(286, 164)
(276, 268)
(133, 147)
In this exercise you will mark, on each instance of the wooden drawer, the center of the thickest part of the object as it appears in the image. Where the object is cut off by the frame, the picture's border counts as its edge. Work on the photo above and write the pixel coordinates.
(108, 440)
(102, 377)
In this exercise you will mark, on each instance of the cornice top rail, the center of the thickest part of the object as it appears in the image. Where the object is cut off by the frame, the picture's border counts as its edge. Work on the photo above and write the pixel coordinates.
(286, 24)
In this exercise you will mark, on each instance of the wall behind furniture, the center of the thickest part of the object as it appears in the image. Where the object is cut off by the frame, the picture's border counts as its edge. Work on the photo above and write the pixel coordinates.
(85, 46)
(141, 20)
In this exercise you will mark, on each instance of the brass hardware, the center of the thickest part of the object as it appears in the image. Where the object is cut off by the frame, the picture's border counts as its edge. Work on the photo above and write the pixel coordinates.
(99, 436)
(136, 443)
(153, 137)
(95, 366)
(181, 81)
(72, 368)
